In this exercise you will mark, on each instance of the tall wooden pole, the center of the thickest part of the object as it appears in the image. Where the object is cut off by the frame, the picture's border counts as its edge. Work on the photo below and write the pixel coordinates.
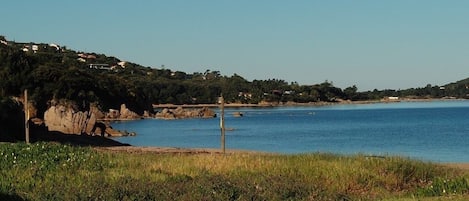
(26, 116)
(222, 122)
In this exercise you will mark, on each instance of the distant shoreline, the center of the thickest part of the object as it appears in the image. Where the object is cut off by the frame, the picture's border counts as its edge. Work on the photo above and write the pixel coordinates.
(288, 104)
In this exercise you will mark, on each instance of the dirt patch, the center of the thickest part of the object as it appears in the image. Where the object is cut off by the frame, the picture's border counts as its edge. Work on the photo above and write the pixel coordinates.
(462, 166)
(173, 150)
(158, 150)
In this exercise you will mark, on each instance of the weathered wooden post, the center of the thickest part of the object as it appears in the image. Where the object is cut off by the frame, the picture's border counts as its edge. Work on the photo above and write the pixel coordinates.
(222, 122)
(26, 116)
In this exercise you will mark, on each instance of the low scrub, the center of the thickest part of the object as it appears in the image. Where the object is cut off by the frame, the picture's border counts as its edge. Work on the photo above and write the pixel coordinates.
(48, 171)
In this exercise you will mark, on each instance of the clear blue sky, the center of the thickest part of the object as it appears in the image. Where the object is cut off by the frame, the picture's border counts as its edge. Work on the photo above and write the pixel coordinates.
(393, 44)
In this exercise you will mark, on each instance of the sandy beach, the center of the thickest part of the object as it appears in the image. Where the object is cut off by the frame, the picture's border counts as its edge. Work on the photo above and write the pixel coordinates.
(463, 166)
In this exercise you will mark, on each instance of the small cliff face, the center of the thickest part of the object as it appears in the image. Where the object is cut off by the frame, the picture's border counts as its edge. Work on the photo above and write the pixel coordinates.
(181, 113)
(66, 120)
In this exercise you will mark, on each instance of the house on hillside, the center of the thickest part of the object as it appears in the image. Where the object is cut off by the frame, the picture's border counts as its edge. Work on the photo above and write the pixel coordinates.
(245, 95)
(57, 47)
(35, 48)
(100, 66)
(122, 64)
(86, 56)
(277, 92)
(90, 56)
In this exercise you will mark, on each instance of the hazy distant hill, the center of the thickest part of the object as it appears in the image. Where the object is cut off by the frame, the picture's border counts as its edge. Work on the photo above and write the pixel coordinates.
(460, 83)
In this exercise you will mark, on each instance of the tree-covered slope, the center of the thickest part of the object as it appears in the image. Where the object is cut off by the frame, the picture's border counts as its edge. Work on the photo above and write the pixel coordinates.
(51, 71)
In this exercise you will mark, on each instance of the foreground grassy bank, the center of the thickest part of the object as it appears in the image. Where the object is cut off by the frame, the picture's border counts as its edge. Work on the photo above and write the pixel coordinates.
(48, 171)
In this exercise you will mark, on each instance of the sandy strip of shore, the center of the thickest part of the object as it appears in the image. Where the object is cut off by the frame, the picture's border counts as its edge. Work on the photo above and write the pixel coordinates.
(462, 166)
(272, 104)
(175, 150)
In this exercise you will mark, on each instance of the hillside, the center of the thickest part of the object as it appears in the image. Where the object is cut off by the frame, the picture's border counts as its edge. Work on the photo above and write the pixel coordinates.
(52, 71)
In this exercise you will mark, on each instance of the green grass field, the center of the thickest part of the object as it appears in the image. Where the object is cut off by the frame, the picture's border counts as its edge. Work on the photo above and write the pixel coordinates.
(50, 171)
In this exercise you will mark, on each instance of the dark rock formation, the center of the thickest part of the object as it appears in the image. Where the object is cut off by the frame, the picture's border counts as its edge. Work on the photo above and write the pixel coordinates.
(181, 113)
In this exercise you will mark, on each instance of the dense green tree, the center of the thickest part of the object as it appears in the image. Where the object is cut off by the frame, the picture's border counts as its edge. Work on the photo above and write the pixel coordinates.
(351, 93)
(11, 120)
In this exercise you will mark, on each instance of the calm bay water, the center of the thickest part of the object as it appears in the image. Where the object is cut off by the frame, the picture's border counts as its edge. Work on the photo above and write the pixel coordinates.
(437, 131)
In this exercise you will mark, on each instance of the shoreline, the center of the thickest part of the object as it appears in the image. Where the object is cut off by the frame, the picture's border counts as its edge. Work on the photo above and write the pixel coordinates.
(294, 104)
(177, 150)
(273, 105)
(162, 150)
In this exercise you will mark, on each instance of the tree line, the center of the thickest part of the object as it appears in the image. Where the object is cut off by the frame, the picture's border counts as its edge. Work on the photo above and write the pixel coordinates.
(50, 72)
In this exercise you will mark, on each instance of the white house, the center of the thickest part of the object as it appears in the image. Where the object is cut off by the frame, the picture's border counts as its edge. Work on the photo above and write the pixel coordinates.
(57, 47)
(35, 48)
(122, 64)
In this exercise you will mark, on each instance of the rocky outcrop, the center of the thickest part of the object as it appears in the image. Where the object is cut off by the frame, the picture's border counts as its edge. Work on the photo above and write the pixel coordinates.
(147, 114)
(123, 113)
(181, 113)
(66, 120)
(128, 114)
(97, 112)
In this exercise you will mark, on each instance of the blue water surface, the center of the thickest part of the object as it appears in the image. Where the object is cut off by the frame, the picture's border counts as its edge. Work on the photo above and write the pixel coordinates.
(437, 131)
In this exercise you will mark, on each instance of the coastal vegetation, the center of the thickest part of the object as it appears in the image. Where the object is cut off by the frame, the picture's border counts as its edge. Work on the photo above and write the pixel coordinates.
(51, 171)
(11, 120)
(51, 71)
